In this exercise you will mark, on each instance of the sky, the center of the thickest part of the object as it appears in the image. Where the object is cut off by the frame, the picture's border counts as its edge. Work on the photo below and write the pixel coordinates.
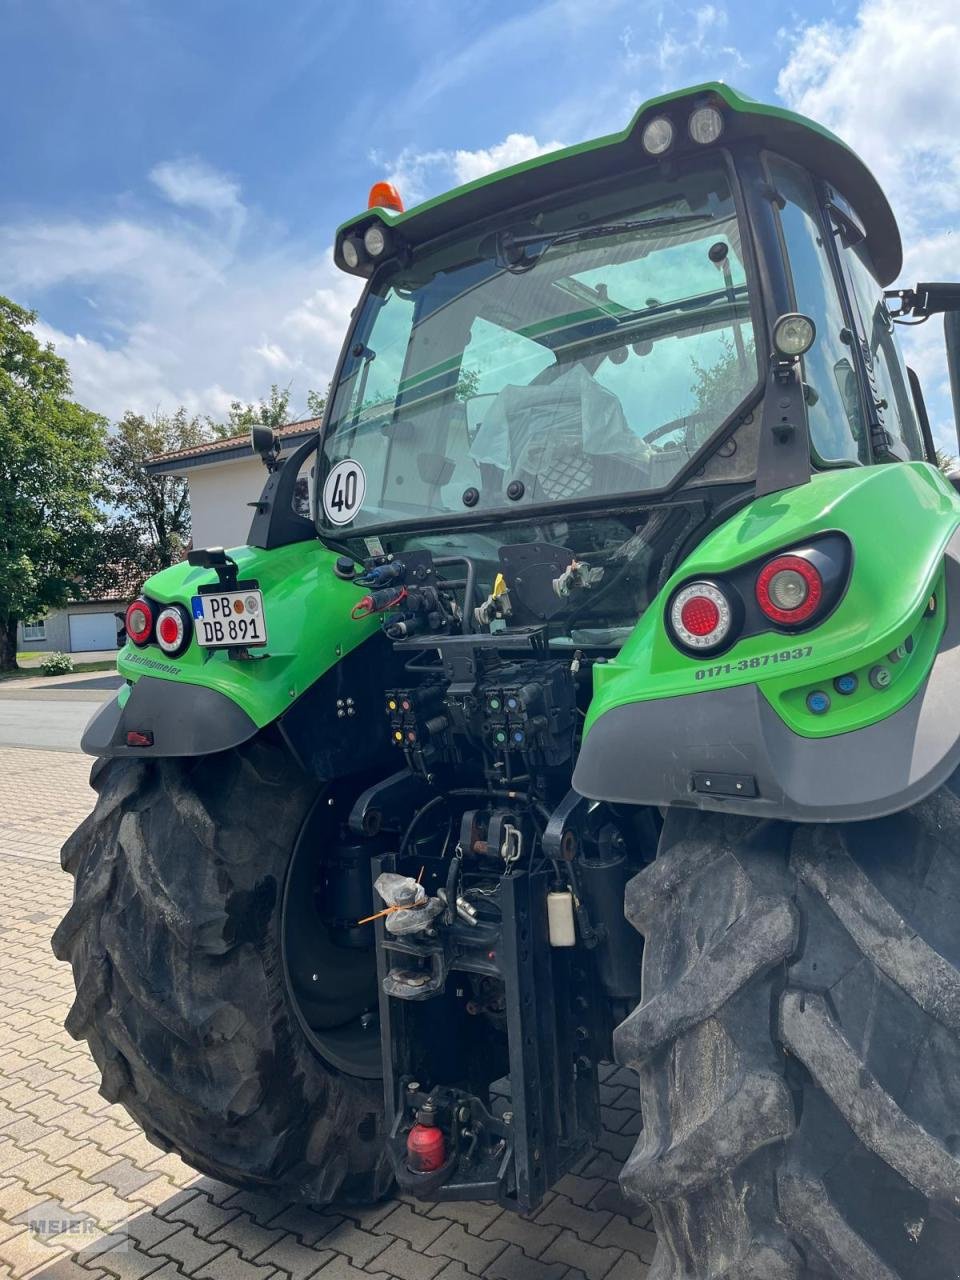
(173, 170)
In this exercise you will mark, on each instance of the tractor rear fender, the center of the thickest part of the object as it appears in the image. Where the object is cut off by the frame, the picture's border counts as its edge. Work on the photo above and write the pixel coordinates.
(740, 731)
(204, 700)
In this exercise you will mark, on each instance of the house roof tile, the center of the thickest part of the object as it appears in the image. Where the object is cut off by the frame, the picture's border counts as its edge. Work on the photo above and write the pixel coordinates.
(230, 443)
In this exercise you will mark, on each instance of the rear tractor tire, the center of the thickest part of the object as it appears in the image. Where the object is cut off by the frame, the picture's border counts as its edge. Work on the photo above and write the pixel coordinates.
(798, 1047)
(188, 875)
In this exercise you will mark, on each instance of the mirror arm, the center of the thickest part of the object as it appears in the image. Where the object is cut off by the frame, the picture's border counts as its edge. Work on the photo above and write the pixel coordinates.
(924, 300)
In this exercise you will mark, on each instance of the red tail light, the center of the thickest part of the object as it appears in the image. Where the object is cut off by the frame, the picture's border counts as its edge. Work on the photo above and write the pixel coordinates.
(789, 590)
(138, 621)
(701, 616)
(173, 629)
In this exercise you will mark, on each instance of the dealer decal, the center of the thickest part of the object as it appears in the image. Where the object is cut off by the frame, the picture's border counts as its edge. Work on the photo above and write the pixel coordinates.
(153, 664)
(753, 664)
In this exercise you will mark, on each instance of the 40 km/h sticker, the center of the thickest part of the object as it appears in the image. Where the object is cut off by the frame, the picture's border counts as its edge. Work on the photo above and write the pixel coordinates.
(343, 491)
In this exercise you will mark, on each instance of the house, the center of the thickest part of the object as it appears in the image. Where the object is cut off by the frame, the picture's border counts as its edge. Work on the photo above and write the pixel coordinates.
(84, 627)
(225, 478)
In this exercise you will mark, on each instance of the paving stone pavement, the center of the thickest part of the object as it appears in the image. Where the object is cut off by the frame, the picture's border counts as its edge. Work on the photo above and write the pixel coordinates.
(84, 1196)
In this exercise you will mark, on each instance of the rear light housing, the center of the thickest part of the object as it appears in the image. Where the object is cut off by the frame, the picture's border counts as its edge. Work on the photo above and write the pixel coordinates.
(174, 628)
(701, 616)
(138, 622)
(789, 590)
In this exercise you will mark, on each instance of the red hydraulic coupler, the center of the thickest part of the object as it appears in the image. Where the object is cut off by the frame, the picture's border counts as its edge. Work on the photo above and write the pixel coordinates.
(426, 1145)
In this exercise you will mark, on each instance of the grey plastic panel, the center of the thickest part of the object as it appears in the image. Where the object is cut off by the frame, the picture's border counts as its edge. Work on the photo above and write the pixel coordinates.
(648, 752)
(185, 720)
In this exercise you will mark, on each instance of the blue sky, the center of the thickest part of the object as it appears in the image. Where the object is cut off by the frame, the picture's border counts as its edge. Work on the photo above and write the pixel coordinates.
(173, 171)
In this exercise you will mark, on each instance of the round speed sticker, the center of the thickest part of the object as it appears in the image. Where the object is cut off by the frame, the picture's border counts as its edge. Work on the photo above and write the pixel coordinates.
(343, 491)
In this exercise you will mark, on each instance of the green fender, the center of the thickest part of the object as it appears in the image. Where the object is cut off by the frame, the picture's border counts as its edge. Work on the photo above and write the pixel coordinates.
(661, 722)
(203, 700)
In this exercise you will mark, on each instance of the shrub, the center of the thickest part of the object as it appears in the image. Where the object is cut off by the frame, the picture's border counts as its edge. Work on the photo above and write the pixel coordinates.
(57, 664)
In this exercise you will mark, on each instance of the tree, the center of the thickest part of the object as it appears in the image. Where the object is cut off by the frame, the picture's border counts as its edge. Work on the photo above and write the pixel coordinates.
(272, 412)
(148, 525)
(317, 403)
(946, 462)
(50, 451)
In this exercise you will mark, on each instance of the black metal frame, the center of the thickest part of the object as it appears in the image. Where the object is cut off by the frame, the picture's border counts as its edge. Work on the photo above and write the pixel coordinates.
(553, 1047)
(275, 523)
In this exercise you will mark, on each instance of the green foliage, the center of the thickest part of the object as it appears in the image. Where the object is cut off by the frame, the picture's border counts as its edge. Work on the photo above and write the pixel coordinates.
(316, 403)
(946, 461)
(148, 526)
(468, 384)
(272, 412)
(722, 383)
(50, 451)
(57, 664)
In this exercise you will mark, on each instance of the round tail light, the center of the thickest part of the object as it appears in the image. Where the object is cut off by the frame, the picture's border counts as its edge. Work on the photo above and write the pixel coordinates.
(173, 629)
(138, 621)
(700, 616)
(789, 590)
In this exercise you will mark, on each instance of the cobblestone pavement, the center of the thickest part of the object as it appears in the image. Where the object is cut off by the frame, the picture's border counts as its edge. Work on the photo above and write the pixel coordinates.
(83, 1194)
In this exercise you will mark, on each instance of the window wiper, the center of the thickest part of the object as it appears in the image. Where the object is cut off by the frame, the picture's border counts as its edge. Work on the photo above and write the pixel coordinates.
(511, 246)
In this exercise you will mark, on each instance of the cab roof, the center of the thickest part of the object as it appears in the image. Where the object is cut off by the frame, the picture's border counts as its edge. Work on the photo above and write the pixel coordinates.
(789, 134)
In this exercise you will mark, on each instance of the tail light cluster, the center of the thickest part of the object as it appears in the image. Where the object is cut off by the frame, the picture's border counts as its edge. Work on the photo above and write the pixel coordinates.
(789, 592)
(701, 615)
(169, 626)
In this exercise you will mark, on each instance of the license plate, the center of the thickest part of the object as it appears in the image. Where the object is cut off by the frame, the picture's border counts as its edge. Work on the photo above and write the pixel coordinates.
(227, 619)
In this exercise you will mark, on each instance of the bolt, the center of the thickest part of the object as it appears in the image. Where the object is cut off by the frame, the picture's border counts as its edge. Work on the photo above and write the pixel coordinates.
(349, 702)
(316, 977)
(331, 802)
(341, 714)
(463, 1115)
(413, 1086)
(507, 1117)
(368, 1020)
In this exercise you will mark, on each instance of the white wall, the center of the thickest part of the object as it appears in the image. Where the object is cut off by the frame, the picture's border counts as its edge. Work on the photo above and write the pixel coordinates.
(219, 493)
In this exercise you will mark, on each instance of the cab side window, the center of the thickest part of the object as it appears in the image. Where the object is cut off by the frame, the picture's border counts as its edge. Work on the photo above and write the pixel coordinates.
(838, 431)
(886, 371)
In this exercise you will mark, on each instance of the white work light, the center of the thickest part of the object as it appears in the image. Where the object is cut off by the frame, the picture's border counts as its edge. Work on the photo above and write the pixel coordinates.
(657, 136)
(706, 125)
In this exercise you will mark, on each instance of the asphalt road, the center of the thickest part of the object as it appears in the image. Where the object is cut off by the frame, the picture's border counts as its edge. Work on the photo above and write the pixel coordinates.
(52, 720)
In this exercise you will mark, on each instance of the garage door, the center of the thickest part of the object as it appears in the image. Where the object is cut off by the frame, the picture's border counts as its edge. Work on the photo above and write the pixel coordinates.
(92, 631)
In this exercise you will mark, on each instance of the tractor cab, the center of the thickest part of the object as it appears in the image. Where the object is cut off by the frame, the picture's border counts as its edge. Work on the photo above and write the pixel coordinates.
(612, 346)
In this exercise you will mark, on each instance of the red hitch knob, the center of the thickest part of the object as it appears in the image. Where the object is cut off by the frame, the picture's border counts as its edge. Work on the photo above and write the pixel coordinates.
(426, 1148)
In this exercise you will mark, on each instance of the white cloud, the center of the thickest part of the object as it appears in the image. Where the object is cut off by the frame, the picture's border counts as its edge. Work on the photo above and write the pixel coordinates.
(188, 307)
(182, 317)
(192, 184)
(515, 148)
(888, 84)
(683, 44)
(418, 175)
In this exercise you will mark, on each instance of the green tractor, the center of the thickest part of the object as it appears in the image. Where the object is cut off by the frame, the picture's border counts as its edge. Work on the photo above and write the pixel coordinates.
(604, 703)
